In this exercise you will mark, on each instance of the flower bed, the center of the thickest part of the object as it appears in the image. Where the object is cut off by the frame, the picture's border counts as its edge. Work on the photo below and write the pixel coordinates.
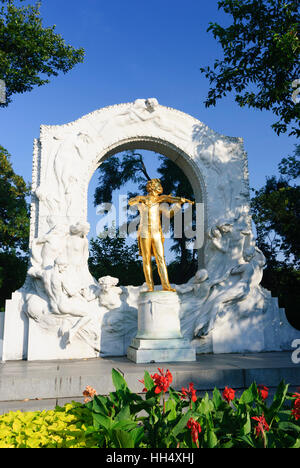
(161, 418)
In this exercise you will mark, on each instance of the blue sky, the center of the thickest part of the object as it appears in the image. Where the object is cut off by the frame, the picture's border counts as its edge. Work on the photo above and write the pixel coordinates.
(138, 49)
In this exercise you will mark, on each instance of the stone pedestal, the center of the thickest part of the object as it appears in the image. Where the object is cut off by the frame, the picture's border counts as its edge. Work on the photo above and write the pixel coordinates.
(159, 337)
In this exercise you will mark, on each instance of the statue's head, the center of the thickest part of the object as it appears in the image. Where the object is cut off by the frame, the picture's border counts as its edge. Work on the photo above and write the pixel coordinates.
(154, 186)
(151, 104)
(225, 226)
(107, 282)
(201, 275)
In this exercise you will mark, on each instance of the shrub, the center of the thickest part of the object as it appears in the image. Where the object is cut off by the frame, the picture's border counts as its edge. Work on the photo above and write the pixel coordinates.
(65, 427)
(184, 421)
(161, 418)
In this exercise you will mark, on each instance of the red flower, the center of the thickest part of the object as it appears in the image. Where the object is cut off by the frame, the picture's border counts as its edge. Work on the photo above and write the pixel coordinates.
(263, 391)
(262, 425)
(162, 380)
(228, 394)
(296, 409)
(195, 429)
(189, 392)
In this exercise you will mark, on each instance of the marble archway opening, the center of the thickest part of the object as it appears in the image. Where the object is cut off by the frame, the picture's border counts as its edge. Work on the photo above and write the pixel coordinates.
(63, 312)
(154, 155)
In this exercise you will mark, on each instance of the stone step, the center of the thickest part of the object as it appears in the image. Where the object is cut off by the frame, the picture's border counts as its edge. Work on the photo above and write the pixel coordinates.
(39, 385)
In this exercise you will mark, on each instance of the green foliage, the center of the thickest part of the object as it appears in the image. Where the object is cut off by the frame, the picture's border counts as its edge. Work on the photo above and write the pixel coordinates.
(29, 52)
(124, 419)
(66, 427)
(14, 210)
(13, 269)
(14, 228)
(276, 213)
(117, 171)
(261, 58)
(112, 256)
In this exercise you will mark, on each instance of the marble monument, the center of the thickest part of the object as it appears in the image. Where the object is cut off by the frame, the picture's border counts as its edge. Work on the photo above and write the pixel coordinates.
(62, 312)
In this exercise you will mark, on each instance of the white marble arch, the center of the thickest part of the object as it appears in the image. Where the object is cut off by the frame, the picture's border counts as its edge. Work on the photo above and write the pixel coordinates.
(66, 156)
(62, 312)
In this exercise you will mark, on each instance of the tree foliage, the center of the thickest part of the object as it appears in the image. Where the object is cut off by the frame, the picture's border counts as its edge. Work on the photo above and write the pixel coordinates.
(276, 213)
(14, 210)
(261, 58)
(29, 52)
(14, 228)
(117, 171)
(112, 256)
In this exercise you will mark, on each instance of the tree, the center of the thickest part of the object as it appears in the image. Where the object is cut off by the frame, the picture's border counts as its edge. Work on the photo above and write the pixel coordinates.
(117, 171)
(261, 58)
(29, 52)
(276, 213)
(111, 256)
(14, 228)
(14, 210)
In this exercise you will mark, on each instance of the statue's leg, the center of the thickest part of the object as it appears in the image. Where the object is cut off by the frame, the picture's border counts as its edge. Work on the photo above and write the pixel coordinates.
(145, 246)
(158, 249)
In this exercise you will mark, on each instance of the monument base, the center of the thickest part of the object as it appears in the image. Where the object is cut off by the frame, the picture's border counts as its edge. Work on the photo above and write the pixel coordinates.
(171, 350)
(159, 337)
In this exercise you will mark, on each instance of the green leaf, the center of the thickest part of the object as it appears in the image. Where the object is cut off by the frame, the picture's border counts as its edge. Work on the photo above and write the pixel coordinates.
(149, 384)
(125, 425)
(288, 426)
(174, 395)
(171, 409)
(296, 444)
(124, 438)
(124, 414)
(99, 405)
(118, 380)
(249, 395)
(180, 426)
(206, 405)
(247, 439)
(246, 428)
(217, 398)
(278, 399)
(137, 435)
(145, 405)
(100, 420)
(226, 445)
(212, 439)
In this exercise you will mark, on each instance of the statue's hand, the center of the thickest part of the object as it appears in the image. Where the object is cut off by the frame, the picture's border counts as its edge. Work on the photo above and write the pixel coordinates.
(185, 200)
(136, 200)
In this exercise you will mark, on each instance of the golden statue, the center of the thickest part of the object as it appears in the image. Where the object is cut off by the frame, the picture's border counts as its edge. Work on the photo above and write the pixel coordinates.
(150, 236)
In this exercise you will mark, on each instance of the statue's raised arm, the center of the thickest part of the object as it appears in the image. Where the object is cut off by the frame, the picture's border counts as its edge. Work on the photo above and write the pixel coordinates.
(136, 200)
(172, 199)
